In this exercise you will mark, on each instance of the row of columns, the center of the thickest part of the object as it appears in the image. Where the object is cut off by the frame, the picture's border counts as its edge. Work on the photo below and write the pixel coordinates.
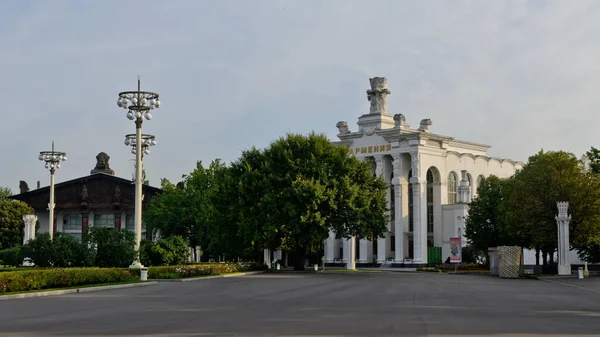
(419, 190)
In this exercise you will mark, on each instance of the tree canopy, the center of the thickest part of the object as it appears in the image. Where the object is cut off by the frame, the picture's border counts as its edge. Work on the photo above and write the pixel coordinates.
(485, 225)
(287, 196)
(521, 210)
(300, 187)
(11, 221)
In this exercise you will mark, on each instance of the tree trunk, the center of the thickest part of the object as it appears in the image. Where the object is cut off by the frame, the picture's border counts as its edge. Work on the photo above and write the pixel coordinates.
(544, 259)
(537, 256)
(299, 254)
(551, 255)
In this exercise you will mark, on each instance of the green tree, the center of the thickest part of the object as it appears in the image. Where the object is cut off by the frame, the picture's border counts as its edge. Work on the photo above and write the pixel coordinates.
(5, 192)
(547, 178)
(11, 221)
(186, 209)
(593, 156)
(485, 225)
(295, 191)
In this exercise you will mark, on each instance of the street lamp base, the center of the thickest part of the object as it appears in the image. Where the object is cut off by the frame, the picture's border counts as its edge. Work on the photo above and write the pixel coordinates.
(136, 265)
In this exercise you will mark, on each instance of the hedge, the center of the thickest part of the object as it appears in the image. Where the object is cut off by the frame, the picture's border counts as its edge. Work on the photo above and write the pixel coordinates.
(194, 270)
(19, 281)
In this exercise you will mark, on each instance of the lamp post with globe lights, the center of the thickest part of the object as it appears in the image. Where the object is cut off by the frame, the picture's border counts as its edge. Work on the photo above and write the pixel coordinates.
(138, 105)
(52, 159)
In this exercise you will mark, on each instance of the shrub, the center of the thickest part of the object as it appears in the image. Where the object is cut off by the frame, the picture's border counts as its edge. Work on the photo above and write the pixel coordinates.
(201, 270)
(431, 270)
(463, 266)
(18, 281)
(63, 251)
(170, 251)
(113, 248)
(13, 256)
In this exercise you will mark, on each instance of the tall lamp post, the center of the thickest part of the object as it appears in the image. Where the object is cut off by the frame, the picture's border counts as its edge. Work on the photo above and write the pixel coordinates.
(52, 159)
(138, 105)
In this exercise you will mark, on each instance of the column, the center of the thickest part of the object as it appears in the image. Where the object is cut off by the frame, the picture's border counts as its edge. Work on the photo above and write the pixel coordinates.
(398, 220)
(419, 211)
(366, 251)
(267, 257)
(381, 242)
(350, 253)
(85, 221)
(562, 220)
(29, 228)
(117, 221)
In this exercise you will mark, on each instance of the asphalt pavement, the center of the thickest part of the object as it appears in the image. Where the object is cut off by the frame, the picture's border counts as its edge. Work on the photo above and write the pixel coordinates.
(337, 304)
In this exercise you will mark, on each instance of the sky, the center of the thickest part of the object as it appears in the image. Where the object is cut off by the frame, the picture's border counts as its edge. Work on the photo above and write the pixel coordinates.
(517, 75)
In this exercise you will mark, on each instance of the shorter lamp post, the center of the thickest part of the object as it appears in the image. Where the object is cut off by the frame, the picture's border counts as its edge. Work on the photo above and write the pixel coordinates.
(52, 159)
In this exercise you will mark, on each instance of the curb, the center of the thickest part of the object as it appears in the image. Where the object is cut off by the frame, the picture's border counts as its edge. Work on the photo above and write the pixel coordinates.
(73, 291)
(191, 279)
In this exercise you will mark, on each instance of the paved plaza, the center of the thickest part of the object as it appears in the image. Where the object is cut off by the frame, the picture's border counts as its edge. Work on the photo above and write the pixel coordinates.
(335, 304)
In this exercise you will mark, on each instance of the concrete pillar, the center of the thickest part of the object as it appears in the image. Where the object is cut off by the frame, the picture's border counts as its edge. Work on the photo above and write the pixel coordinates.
(419, 211)
(366, 251)
(562, 220)
(350, 253)
(267, 257)
(329, 248)
(381, 242)
(29, 229)
(398, 220)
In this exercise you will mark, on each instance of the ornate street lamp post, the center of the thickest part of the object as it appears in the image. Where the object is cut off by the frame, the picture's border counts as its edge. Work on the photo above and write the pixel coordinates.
(52, 159)
(138, 105)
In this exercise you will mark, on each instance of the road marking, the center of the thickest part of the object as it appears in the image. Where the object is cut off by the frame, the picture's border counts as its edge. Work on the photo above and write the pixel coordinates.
(574, 286)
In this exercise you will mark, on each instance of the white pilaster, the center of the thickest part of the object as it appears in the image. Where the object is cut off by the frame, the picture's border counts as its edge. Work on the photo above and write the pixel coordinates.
(398, 223)
(419, 211)
(366, 251)
(329, 248)
(381, 242)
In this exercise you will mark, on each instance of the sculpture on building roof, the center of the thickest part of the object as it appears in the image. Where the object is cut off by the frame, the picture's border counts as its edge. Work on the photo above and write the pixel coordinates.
(23, 187)
(102, 161)
(342, 127)
(399, 120)
(377, 95)
(425, 124)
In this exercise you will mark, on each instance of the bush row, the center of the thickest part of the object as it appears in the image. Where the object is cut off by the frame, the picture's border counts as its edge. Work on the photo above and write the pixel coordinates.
(99, 247)
(194, 270)
(19, 281)
(462, 266)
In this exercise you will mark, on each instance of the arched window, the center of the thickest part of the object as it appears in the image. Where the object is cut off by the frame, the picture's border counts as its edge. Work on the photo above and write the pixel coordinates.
(451, 188)
(429, 201)
(411, 218)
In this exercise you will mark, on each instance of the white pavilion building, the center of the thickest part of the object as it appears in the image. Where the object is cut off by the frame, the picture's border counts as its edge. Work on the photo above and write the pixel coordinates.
(431, 177)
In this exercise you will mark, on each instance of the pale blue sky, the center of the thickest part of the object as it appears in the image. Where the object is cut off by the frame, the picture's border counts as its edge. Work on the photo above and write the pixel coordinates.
(518, 75)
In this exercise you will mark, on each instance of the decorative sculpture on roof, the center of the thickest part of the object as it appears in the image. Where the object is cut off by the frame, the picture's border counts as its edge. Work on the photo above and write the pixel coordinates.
(399, 120)
(23, 187)
(102, 161)
(377, 95)
(425, 124)
(342, 127)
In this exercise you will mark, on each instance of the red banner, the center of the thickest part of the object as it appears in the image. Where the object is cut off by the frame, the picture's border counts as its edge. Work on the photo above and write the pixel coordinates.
(455, 250)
